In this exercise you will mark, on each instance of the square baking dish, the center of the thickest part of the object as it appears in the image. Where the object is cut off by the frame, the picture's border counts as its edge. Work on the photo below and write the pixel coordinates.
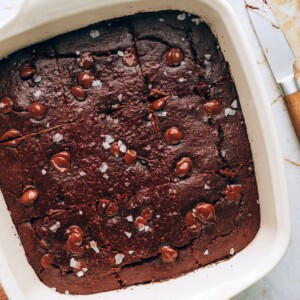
(37, 20)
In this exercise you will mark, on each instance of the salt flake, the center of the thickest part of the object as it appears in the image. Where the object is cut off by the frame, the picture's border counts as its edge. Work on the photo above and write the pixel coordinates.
(196, 21)
(131, 252)
(93, 245)
(105, 176)
(37, 93)
(44, 172)
(97, 83)
(229, 112)
(123, 148)
(94, 33)
(119, 258)
(80, 212)
(120, 53)
(231, 252)
(207, 56)
(234, 104)
(57, 137)
(37, 79)
(206, 187)
(105, 145)
(181, 17)
(80, 274)
(181, 79)
(82, 173)
(128, 234)
(223, 153)
(120, 97)
(205, 252)
(103, 167)
(161, 20)
(75, 264)
(77, 52)
(54, 227)
(129, 219)
(109, 139)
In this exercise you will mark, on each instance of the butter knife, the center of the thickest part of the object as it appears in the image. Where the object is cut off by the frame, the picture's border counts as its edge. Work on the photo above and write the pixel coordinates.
(279, 55)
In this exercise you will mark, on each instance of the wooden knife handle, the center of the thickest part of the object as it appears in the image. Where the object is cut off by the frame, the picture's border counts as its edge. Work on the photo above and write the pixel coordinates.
(293, 105)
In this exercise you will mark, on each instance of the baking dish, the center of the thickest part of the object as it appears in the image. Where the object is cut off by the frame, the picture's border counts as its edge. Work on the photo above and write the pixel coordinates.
(37, 20)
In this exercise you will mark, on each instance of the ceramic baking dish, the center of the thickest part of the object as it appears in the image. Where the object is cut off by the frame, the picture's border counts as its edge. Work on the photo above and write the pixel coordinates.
(37, 20)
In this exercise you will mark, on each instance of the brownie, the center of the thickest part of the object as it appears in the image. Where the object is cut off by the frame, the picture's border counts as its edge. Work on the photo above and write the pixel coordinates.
(124, 153)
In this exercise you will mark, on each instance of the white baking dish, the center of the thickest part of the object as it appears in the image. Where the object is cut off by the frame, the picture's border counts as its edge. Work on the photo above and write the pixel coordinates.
(41, 19)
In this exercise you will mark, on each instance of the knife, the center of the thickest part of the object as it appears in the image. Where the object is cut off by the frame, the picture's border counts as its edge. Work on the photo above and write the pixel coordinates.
(279, 55)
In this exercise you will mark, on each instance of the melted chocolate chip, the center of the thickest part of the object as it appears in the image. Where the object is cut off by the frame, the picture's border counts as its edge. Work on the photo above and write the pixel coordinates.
(46, 261)
(233, 191)
(204, 211)
(112, 210)
(156, 93)
(192, 224)
(212, 107)
(183, 167)
(115, 149)
(6, 105)
(130, 157)
(130, 59)
(11, 138)
(26, 71)
(74, 241)
(173, 136)
(174, 57)
(78, 92)
(85, 79)
(60, 162)
(159, 103)
(168, 254)
(29, 196)
(37, 110)
(140, 223)
(85, 61)
(147, 213)
(152, 119)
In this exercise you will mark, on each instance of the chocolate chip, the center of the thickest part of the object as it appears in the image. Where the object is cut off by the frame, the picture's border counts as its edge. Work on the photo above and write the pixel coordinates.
(152, 119)
(140, 223)
(115, 149)
(192, 224)
(174, 57)
(78, 92)
(60, 162)
(85, 79)
(168, 254)
(233, 191)
(130, 157)
(173, 136)
(156, 93)
(130, 58)
(30, 195)
(112, 210)
(6, 105)
(183, 167)
(26, 71)
(37, 110)
(147, 213)
(204, 211)
(212, 107)
(74, 240)
(11, 138)
(85, 61)
(46, 261)
(159, 103)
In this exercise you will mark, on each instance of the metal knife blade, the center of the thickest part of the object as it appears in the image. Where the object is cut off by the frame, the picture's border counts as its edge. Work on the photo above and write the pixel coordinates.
(275, 46)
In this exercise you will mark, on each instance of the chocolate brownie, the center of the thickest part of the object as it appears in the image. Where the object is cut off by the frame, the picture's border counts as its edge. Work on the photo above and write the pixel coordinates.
(124, 153)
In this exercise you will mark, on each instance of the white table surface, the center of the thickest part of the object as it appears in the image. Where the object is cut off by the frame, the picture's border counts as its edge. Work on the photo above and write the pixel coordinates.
(284, 281)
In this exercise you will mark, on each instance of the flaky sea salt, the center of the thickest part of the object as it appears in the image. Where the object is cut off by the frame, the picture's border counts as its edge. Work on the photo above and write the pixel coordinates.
(80, 274)
(57, 137)
(103, 167)
(157, 216)
(37, 79)
(109, 139)
(181, 17)
(105, 176)
(93, 245)
(128, 234)
(54, 227)
(80, 212)
(129, 219)
(234, 104)
(231, 251)
(181, 79)
(196, 21)
(229, 112)
(97, 83)
(223, 153)
(207, 56)
(75, 264)
(150, 86)
(2, 105)
(119, 258)
(77, 52)
(161, 20)
(105, 145)
(164, 113)
(82, 173)
(131, 252)
(257, 201)
(120, 53)
(127, 184)
(206, 187)
(205, 252)
(94, 33)
(37, 93)
(120, 97)
(44, 172)
(84, 269)
(123, 148)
